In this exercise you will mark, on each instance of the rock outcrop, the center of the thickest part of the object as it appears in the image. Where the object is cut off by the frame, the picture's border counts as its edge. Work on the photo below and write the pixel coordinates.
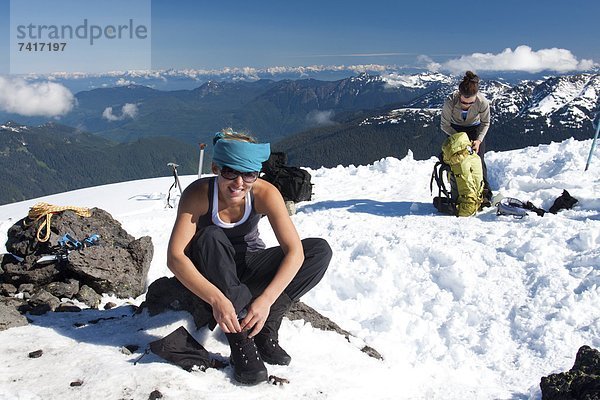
(582, 382)
(116, 263)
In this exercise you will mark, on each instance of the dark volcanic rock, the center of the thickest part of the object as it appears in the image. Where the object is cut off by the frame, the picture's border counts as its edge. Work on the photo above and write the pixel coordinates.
(42, 300)
(36, 354)
(6, 289)
(17, 274)
(9, 313)
(88, 296)
(26, 288)
(582, 382)
(302, 311)
(115, 264)
(67, 307)
(22, 239)
(169, 294)
(63, 289)
(114, 270)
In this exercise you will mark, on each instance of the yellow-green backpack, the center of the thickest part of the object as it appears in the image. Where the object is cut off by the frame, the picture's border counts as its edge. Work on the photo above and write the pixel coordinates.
(467, 174)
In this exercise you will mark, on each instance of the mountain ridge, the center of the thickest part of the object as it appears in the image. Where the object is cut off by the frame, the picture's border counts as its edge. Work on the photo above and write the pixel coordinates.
(351, 121)
(53, 158)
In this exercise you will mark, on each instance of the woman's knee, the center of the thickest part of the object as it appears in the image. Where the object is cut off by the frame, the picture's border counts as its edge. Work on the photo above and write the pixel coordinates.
(319, 249)
(210, 232)
(209, 242)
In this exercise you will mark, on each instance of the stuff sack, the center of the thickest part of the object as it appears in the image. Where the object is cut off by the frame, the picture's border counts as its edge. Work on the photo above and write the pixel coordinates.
(180, 348)
(466, 168)
(292, 182)
(564, 202)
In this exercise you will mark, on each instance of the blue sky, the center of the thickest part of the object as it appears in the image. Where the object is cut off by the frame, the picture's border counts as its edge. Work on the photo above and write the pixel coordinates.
(214, 35)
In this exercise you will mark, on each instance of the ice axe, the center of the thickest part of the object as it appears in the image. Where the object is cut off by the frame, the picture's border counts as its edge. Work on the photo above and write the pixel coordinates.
(175, 184)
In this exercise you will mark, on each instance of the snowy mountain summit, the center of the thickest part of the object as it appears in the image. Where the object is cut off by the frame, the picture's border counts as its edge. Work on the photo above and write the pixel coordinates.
(470, 308)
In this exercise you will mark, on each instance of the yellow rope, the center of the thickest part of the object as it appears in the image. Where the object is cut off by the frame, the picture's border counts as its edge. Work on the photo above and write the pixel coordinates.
(41, 210)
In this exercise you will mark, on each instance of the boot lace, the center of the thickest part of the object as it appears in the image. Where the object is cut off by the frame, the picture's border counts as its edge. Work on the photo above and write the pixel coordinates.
(248, 351)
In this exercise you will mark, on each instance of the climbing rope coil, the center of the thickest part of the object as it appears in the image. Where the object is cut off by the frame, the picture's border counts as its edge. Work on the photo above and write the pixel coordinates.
(45, 211)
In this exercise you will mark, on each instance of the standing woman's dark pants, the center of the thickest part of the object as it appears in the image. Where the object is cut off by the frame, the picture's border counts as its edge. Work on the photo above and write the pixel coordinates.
(471, 132)
(243, 276)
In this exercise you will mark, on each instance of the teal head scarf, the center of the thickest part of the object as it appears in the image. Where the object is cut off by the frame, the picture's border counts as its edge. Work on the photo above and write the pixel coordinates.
(239, 155)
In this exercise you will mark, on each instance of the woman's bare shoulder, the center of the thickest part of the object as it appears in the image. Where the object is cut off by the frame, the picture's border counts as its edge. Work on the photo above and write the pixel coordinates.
(195, 197)
(265, 195)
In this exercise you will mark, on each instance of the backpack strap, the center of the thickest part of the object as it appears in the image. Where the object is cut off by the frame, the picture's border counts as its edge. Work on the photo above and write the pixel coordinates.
(443, 203)
(437, 175)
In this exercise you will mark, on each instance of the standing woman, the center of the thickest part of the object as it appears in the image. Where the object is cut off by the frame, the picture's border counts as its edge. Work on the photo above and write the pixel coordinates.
(215, 251)
(467, 110)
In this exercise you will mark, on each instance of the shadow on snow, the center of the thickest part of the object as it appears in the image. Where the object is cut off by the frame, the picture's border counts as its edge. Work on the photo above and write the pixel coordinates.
(367, 206)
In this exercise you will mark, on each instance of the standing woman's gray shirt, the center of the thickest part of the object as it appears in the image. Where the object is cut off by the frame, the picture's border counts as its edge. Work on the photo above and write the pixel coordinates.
(478, 114)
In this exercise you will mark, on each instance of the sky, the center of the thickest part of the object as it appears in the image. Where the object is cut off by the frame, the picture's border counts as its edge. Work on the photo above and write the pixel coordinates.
(460, 308)
(215, 35)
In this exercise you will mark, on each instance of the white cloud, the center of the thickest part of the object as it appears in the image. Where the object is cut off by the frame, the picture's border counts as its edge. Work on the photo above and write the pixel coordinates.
(428, 63)
(129, 110)
(320, 118)
(48, 99)
(522, 58)
(108, 114)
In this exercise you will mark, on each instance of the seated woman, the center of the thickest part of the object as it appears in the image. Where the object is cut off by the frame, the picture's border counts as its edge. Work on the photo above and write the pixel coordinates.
(216, 252)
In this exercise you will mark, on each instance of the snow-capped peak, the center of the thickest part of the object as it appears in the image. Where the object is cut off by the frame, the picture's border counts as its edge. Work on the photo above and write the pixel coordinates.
(13, 127)
(421, 80)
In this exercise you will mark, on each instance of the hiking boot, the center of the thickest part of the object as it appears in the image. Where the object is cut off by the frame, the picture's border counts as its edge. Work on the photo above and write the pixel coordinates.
(267, 339)
(270, 351)
(248, 368)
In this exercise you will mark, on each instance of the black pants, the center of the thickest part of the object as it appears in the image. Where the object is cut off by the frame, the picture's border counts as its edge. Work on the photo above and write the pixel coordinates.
(471, 132)
(244, 276)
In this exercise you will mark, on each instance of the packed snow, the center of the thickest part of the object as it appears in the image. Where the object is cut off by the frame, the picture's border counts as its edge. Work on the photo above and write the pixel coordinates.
(470, 308)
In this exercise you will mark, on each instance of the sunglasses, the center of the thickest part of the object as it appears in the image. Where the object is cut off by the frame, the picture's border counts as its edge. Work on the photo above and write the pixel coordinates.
(467, 103)
(231, 174)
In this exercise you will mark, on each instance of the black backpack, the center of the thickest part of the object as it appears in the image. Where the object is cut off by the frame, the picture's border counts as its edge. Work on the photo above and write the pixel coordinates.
(447, 198)
(292, 182)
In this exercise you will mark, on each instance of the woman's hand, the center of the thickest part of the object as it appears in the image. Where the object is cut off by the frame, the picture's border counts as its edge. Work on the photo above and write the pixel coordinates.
(225, 315)
(257, 315)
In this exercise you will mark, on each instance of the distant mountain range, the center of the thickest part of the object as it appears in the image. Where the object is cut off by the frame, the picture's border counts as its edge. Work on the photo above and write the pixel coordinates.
(355, 120)
(528, 113)
(269, 109)
(187, 79)
(52, 158)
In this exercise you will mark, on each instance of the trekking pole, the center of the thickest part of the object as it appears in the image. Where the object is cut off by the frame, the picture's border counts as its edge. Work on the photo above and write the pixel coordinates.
(202, 146)
(593, 145)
